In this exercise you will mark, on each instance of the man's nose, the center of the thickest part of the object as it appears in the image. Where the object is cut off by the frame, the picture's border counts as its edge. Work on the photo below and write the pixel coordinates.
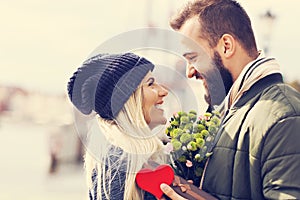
(190, 71)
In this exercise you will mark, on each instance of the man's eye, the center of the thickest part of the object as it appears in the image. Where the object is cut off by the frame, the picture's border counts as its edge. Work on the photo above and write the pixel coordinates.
(193, 58)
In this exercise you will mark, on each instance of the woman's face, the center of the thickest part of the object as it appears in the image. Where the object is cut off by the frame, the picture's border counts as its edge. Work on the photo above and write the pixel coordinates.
(153, 95)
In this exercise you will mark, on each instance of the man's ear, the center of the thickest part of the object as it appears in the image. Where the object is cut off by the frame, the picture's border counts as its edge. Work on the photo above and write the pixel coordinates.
(226, 45)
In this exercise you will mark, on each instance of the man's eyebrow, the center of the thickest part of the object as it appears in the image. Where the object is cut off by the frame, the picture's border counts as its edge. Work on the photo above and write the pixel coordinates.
(189, 54)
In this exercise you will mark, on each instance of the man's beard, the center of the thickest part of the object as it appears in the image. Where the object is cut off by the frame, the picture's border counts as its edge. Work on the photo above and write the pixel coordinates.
(218, 81)
(225, 74)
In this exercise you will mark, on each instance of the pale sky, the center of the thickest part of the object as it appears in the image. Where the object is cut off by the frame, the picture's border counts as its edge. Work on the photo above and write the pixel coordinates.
(43, 41)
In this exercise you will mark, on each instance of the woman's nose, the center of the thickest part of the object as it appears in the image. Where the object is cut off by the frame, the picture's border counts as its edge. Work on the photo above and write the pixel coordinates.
(163, 91)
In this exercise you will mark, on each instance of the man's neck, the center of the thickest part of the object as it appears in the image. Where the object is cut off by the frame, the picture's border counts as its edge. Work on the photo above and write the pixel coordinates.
(239, 63)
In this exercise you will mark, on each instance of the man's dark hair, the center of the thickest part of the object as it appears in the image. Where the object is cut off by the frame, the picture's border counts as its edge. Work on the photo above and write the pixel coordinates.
(217, 17)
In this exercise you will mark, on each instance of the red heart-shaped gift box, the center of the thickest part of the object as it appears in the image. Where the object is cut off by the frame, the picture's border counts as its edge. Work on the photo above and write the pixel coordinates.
(150, 180)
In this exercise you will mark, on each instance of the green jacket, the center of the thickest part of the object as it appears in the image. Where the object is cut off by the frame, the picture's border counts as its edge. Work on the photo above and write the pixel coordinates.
(258, 153)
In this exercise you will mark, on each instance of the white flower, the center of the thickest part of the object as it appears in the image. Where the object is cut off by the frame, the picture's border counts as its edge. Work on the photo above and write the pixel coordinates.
(168, 148)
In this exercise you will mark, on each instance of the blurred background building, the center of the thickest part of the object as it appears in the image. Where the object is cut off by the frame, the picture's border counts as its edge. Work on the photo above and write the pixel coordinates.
(43, 42)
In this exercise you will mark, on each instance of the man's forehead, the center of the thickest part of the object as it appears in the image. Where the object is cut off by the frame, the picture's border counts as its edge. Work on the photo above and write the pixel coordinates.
(191, 33)
(189, 46)
(191, 28)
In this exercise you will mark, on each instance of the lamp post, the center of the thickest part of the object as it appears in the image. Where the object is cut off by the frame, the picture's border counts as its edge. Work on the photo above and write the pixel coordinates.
(267, 21)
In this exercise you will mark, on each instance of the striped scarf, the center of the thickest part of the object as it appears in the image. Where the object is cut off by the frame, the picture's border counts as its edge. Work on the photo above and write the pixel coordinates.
(252, 72)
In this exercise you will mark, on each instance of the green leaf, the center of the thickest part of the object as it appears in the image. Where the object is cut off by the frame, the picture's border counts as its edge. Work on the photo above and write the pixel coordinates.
(182, 159)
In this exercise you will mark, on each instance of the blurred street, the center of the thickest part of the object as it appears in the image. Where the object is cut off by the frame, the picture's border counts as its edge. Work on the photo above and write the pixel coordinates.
(42, 44)
(25, 161)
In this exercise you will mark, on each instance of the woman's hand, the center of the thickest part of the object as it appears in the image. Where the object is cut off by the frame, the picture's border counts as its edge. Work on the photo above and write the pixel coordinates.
(168, 191)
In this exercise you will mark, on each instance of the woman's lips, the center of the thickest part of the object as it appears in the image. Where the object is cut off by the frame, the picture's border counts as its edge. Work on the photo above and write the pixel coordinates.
(159, 106)
(160, 102)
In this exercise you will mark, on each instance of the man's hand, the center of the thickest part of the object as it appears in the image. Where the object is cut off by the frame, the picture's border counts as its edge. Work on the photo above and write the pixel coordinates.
(168, 191)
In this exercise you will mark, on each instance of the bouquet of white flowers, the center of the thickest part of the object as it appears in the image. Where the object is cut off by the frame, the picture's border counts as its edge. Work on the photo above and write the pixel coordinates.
(191, 139)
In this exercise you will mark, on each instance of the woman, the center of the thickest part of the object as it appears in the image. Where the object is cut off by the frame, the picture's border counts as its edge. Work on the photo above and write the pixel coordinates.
(122, 91)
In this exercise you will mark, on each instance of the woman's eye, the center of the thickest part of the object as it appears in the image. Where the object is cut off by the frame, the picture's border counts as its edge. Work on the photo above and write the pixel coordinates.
(150, 83)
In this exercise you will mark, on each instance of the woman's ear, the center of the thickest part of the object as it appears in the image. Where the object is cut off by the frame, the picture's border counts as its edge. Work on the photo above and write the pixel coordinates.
(226, 45)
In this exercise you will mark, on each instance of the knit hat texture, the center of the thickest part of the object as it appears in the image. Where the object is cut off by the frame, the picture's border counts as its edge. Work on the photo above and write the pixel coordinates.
(105, 82)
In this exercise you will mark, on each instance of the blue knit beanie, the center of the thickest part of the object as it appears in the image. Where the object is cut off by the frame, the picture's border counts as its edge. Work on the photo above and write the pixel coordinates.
(105, 82)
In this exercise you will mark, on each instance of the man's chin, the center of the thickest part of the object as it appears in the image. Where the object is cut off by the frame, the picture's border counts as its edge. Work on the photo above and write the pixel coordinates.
(207, 99)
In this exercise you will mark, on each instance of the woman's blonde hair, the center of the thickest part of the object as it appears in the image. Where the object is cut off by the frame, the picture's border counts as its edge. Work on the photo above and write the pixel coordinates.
(130, 133)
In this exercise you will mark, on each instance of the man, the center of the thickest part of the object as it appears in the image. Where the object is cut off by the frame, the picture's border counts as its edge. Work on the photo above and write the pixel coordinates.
(256, 155)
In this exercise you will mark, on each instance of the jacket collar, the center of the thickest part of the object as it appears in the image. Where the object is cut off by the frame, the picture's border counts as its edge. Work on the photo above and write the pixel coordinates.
(258, 87)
